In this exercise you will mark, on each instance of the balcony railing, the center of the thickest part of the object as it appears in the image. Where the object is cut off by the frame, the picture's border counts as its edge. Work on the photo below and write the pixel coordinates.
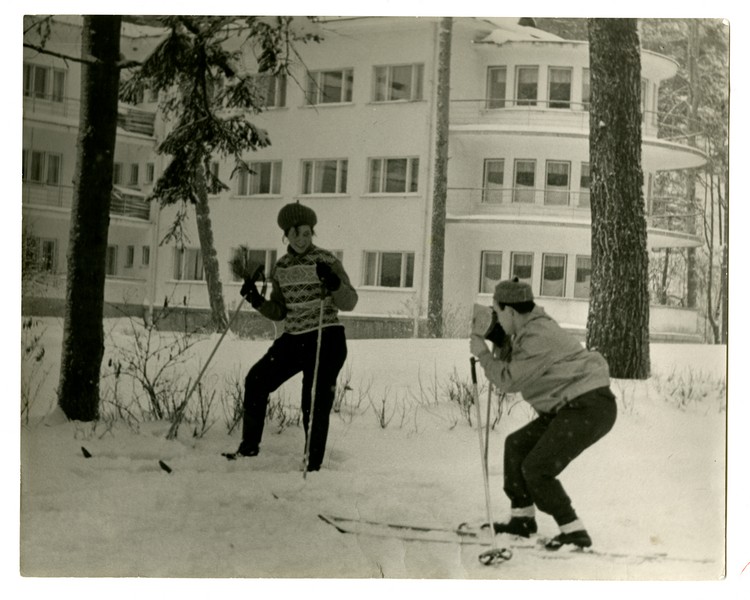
(556, 114)
(552, 204)
(129, 118)
(124, 202)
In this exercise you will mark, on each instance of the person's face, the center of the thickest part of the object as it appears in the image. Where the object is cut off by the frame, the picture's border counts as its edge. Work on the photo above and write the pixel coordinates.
(300, 238)
(504, 317)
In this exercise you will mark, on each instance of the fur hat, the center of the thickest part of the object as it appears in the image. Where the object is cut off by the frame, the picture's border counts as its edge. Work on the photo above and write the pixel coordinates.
(294, 215)
(513, 292)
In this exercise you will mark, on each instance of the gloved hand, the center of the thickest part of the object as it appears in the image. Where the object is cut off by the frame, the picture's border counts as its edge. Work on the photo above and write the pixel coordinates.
(496, 333)
(251, 293)
(328, 278)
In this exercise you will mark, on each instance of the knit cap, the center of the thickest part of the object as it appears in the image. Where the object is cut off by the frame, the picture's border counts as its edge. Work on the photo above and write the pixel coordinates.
(294, 215)
(513, 292)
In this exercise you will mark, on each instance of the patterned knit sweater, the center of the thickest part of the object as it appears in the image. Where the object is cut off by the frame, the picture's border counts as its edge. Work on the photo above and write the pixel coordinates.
(295, 297)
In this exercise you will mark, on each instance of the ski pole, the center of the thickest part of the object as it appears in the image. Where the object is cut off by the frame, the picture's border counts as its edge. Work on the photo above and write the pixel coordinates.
(314, 383)
(495, 554)
(181, 409)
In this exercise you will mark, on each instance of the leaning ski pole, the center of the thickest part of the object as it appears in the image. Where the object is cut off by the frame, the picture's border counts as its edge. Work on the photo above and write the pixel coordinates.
(314, 383)
(495, 554)
(181, 409)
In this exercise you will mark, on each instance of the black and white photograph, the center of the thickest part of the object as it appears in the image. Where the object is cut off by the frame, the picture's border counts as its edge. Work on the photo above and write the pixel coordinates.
(364, 296)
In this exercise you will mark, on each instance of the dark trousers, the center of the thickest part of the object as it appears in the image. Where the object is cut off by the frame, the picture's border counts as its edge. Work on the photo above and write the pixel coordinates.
(289, 355)
(538, 452)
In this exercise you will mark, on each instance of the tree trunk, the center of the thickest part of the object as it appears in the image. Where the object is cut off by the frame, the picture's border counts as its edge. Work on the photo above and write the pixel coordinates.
(618, 319)
(440, 183)
(692, 124)
(210, 262)
(83, 334)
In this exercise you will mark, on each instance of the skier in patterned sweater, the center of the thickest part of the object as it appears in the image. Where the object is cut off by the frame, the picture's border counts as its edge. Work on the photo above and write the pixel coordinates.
(566, 384)
(301, 278)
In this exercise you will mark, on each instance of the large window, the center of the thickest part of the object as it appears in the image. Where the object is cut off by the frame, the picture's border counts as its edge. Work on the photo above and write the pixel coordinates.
(150, 173)
(389, 269)
(559, 87)
(527, 80)
(188, 264)
(398, 82)
(117, 173)
(557, 189)
(42, 167)
(492, 272)
(393, 175)
(45, 83)
(582, 286)
(586, 89)
(129, 257)
(40, 254)
(134, 174)
(324, 176)
(584, 198)
(271, 89)
(494, 169)
(523, 181)
(496, 82)
(262, 178)
(330, 87)
(553, 275)
(267, 258)
(521, 266)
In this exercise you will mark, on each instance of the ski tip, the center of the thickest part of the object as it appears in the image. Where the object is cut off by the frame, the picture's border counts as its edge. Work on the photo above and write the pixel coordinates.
(165, 467)
(495, 556)
(85, 452)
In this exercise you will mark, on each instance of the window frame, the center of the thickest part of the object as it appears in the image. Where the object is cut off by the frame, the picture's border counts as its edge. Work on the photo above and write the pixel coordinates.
(196, 259)
(587, 193)
(542, 290)
(315, 90)
(54, 82)
(490, 193)
(576, 284)
(513, 264)
(518, 101)
(273, 86)
(487, 284)
(382, 87)
(145, 256)
(407, 269)
(382, 173)
(245, 179)
(129, 256)
(518, 191)
(551, 191)
(311, 172)
(38, 169)
(111, 263)
(495, 102)
(586, 88)
(559, 103)
(269, 260)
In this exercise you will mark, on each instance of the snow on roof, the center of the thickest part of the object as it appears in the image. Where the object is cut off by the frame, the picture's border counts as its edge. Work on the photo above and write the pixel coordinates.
(508, 30)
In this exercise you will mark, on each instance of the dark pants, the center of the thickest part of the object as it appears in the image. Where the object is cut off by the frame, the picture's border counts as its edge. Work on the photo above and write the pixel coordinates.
(289, 355)
(538, 452)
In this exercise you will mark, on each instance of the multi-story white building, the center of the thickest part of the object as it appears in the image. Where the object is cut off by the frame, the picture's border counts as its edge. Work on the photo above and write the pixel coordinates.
(353, 137)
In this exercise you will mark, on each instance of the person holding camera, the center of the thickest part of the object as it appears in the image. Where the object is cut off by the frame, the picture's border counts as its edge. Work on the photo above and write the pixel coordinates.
(566, 384)
(309, 287)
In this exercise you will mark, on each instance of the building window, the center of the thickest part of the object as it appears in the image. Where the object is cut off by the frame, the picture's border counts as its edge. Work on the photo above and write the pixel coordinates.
(492, 190)
(584, 199)
(117, 173)
(557, 190)
(145, 256)
(324, 176)
(492, 271)
(188, 264)
(582, 286)
(393, 175)
(330, 87)
(44, 83)
(496, 82)
(260, 178)
(586, 89)
(644, 89)
(45, 167)
(389, 269)
(553, 275)
(527, 79)
(398, 82)
(129, 257)
(271, 89)
(111, 261)
(521, 264)
(559, 87)
(523, 187)
(150, 173)
(267, 258)
(40, 255)
(134, 173)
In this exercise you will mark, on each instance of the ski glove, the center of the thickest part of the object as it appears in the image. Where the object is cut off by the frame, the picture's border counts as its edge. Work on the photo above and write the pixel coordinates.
(251, 293)
(496, 333)
(327, 277)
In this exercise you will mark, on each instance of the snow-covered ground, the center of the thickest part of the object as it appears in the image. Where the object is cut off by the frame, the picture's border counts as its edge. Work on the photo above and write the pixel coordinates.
(399, 450)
